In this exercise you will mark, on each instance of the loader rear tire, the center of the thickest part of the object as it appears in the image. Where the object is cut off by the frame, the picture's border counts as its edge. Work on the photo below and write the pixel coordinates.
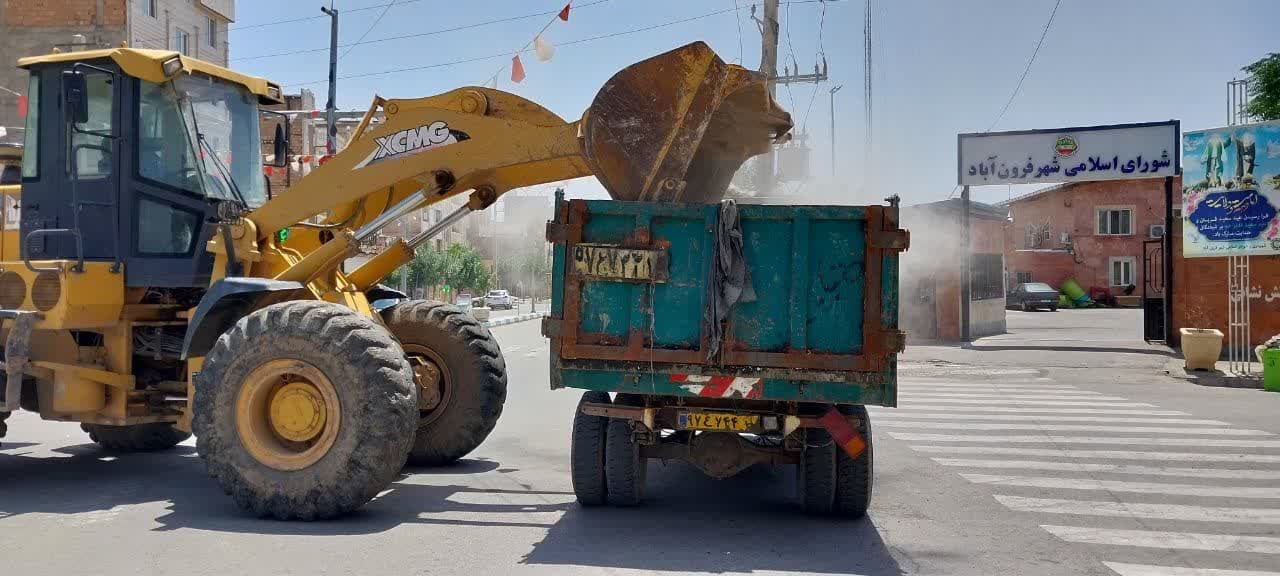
(586, 452)
(136, 438)
(472, 374)
(341, 369)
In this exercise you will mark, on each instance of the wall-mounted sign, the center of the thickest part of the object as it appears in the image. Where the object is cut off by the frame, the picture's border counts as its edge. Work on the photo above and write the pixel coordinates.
(1231, 191)
(1115, 152)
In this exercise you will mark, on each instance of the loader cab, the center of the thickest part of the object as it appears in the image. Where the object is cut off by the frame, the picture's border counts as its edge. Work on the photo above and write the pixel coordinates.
(135, 157)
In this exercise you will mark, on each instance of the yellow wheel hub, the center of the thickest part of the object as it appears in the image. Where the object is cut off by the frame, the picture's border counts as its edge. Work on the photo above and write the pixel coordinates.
(287, 414)
(297, 412)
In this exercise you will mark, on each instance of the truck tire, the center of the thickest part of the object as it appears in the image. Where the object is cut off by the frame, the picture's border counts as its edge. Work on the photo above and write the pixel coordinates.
(817, 472)
(304, 410)
(586, 452)
(625, 469)
(472, 372)
(136, 438)
(855, 476)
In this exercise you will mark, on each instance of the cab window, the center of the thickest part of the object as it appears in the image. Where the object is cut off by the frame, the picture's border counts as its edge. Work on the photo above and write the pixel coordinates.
(164, 149)
(91, 141)
(31, 136)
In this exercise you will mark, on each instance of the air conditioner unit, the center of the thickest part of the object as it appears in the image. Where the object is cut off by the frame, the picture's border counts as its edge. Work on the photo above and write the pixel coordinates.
(1156, 231)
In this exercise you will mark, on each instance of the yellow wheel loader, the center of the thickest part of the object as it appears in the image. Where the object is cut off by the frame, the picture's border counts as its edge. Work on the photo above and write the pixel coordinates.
(158, 288)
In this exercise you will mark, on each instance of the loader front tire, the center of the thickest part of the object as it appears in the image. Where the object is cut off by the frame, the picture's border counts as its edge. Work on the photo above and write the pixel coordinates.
(304, 410)
(137, 438)
(467, 374)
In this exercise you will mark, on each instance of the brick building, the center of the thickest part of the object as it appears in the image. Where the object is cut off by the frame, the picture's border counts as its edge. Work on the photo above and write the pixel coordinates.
(1092, 232)
(197, 28)
(930, 271)
(1200, 293)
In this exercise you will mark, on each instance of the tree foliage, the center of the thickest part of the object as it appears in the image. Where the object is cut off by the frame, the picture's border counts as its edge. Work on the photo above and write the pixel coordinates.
(458, 267)
(1264, 88)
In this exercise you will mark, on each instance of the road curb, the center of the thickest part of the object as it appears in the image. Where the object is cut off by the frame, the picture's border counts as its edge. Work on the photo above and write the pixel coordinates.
(513, 319)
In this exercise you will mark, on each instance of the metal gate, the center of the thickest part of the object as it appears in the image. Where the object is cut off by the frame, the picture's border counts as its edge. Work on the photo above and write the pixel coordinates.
(1153, 292)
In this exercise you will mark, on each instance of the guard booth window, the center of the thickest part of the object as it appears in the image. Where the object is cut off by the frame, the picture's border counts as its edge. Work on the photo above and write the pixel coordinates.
(92, 152)
(986, 279)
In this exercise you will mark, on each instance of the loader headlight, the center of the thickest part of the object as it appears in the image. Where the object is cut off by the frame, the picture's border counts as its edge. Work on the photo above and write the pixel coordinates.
(171, 66)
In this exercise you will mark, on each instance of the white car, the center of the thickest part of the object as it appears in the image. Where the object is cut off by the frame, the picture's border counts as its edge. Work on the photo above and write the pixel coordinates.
(499, 299)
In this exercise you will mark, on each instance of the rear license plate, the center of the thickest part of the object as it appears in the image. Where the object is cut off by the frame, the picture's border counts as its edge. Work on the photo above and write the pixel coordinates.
(718, 421)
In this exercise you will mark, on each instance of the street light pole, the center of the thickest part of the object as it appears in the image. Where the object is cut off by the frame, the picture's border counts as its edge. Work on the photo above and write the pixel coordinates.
(833, 129)
(331, 108)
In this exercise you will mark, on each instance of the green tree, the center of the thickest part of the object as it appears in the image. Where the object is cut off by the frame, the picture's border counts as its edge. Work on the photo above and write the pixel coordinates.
(1264, 87)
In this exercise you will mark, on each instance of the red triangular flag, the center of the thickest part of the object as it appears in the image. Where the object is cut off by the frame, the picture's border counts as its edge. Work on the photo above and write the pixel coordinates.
(22, 107)
(564, 12)
(517, 69)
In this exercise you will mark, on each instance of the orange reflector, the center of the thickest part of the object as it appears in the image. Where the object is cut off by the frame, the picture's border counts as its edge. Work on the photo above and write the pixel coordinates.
(844, 434)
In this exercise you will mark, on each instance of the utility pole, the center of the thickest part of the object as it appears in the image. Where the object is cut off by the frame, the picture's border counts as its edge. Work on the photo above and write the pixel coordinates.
(768, 67)
(833, 130)
(331, 108)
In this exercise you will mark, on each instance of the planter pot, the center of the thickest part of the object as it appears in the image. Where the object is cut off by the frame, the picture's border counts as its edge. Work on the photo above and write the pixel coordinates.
(1201, 347)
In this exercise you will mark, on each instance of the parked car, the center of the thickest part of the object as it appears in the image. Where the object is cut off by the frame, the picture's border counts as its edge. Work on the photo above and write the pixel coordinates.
(1033, 295)
(499, 299)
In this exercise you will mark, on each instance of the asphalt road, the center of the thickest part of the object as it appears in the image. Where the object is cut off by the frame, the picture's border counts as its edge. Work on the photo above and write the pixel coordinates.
(1043, 451)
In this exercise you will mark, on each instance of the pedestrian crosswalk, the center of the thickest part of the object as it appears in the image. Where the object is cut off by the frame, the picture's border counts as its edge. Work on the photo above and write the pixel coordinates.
(1123, 475)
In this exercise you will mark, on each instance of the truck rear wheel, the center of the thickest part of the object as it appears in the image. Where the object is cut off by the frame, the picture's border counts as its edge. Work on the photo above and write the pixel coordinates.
(137, 438)
(625, 468)
(817, 472)
(304, 410)
(854, 476)
(461, 377)
(586, 452)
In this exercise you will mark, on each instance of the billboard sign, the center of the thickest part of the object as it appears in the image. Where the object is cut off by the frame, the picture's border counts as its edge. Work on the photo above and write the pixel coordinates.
(1231, 191)
(1082, 154)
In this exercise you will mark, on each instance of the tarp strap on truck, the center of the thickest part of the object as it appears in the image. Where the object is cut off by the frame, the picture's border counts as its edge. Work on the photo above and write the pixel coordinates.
(730, 281)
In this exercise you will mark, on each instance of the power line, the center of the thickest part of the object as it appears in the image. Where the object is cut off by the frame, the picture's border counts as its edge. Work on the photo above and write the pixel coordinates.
(1027, 70)
(368, 30)
(737, 16)
(561, 44)
(417, 35)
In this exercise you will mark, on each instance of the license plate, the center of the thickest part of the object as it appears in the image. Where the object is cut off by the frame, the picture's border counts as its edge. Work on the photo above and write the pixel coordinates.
(718, 421)
(617, 263)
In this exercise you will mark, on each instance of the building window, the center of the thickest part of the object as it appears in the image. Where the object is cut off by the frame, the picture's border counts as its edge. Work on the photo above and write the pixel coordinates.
(182, 41)
(986, 280)
(1121, 270)
(1115, 221)
(213, 32)
(1038, 235)
(151, 8)
(1024, 277)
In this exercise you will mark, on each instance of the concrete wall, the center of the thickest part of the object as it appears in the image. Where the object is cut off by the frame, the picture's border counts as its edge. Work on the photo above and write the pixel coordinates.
(1073, 209)
(986, 318)
(1200, 293)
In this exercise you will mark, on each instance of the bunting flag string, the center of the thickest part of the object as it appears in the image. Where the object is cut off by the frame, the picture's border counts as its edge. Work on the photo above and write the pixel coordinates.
(543, 49)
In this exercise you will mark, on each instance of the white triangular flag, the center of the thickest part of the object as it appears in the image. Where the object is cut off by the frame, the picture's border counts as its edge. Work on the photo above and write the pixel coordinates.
(544, 49)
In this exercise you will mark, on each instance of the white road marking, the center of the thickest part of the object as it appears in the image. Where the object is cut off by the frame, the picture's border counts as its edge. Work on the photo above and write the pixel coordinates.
(1225, 473)
(1149, 570)
(1179, 512)
(1079, 428)
(1172, 540)
(1122, 486)
(904, 414)
(1019, 402)
(1126, 441)
(1091, 396)
(1102, 454)
(1028, 410)
(940, 386)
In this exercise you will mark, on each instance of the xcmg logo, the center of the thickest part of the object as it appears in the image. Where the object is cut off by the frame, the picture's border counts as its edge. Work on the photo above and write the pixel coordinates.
(412, 141)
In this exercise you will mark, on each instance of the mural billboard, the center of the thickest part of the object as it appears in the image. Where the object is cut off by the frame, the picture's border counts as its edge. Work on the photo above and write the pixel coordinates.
(1231, 191)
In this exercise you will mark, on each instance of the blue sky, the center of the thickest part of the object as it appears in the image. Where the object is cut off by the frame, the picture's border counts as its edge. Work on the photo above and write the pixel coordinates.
(940, 66)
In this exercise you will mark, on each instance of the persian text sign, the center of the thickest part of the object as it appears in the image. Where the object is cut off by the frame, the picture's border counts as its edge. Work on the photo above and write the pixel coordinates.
(1117, 152)
(1231, 191)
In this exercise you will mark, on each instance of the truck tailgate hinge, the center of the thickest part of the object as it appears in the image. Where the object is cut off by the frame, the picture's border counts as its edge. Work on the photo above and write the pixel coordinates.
(898, 239)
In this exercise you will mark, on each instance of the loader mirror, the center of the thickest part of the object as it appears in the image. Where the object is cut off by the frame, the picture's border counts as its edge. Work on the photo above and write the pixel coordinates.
(75, 98)
(281, 148)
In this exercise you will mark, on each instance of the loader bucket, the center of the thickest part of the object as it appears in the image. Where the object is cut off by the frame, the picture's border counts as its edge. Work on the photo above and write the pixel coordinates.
(676, 127)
